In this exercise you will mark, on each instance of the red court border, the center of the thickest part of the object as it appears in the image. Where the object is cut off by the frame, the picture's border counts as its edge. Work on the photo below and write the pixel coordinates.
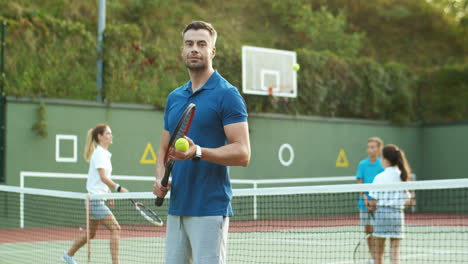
(44, 234)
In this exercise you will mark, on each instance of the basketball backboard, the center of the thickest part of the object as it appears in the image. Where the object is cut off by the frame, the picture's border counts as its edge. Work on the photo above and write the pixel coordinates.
(268, 72)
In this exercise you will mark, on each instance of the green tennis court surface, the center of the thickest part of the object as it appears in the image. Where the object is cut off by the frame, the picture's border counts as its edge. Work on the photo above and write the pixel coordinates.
(289, 225)
(317, 245)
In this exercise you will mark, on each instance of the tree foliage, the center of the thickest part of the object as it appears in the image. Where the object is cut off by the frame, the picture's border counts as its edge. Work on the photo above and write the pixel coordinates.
(400, 60)
(456, 9)
(319, 29)
(444, 93)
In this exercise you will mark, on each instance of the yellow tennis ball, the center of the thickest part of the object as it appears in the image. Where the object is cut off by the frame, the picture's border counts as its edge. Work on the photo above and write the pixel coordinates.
(296, 67)
(182, 144)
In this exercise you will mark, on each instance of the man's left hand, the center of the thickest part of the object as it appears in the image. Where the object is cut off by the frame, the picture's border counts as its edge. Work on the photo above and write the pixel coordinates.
(175, 154)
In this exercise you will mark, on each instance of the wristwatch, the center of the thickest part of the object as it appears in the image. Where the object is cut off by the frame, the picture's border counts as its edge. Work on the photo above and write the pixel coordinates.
(198, 154)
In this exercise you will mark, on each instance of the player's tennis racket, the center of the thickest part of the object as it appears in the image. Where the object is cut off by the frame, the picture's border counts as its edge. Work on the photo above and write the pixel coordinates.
(147, 213)
(361, 252)
(181, 130)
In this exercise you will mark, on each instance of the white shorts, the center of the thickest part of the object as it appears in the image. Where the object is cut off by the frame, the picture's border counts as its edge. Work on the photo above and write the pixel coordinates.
(366, 218)
(196, 239)
(98, 210)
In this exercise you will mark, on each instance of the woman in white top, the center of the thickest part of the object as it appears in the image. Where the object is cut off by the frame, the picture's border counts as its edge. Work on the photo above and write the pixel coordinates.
(389, 216)
(99, 182)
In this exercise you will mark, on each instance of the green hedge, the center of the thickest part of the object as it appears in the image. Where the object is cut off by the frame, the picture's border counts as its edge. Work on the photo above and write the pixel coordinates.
(47, 57)
(443, 93)
(333, 86)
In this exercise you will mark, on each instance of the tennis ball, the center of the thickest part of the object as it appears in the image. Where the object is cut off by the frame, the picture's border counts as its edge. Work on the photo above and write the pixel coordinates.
(182, 144)
(296, 67)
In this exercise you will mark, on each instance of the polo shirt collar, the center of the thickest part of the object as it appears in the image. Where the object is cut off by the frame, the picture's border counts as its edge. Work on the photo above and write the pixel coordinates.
(209, 85)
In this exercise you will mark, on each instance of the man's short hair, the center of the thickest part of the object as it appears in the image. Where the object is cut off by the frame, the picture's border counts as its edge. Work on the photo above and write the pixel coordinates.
(376, 140)
(202, 25)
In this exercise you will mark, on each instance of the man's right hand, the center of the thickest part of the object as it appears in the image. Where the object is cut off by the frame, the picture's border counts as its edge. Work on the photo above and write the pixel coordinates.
(160, 190)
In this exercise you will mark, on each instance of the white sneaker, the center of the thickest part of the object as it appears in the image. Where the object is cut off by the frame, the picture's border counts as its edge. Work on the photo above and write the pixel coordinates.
(68, 259)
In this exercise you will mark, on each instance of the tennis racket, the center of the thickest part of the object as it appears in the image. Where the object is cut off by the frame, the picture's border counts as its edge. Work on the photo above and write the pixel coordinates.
(147, 213)
(361, 252)
(181, 130)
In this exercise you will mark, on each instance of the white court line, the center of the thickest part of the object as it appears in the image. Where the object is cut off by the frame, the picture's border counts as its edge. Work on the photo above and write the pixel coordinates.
(403, 257)
(15, 251)
(283, 241)
(10, 251)
(421, 251)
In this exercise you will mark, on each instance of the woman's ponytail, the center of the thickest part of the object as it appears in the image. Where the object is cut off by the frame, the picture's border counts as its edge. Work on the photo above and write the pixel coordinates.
(91, 138)
(404, 167)
(89, 145)
(401, 166)
(397, 157)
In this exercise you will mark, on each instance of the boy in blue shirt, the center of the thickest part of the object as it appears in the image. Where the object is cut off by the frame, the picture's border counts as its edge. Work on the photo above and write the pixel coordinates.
(366, 172)
(200, 203)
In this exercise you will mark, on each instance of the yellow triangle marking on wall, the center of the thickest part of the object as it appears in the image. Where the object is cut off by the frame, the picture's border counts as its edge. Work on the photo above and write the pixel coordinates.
(342, 160)
(144, 158)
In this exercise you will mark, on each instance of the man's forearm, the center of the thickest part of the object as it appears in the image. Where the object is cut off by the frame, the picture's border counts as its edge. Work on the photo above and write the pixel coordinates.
(234, 154)
(159, 170)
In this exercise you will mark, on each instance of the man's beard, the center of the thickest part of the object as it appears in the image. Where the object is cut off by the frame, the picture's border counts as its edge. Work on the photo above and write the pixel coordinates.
(198, 67)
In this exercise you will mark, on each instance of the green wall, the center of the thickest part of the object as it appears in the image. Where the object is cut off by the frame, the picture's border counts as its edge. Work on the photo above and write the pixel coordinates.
(316, 143)
(133, 128)
(445, 153)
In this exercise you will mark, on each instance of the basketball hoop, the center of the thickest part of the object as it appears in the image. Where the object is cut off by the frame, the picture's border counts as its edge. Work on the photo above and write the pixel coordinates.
(269, 72)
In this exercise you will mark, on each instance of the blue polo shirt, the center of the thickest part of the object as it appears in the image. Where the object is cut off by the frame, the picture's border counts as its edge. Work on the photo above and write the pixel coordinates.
(202, 188)
(367, 172)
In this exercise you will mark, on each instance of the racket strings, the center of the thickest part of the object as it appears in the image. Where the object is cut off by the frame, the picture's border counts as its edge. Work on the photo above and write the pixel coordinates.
(180, 133)
(149, 215)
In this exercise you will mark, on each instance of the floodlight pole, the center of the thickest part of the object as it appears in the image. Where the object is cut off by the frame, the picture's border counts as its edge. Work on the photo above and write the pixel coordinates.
(100, 49)
(2, 58)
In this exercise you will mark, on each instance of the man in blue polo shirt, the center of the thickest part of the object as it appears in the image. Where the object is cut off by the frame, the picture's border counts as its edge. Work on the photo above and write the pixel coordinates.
(200, 204)
(366, 172)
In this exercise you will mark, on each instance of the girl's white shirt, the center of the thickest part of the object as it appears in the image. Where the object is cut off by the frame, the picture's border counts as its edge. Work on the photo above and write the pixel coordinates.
(100, 159)
(394, 199)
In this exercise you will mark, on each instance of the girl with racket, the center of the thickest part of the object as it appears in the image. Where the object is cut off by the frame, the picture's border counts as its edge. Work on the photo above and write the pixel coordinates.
(99, 181)
(389, 215)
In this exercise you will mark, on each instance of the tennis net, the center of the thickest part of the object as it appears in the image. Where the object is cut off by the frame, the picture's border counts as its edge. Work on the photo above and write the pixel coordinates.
(307, 224)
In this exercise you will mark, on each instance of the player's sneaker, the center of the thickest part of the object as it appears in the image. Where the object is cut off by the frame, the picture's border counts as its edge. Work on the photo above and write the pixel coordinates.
(68, 259)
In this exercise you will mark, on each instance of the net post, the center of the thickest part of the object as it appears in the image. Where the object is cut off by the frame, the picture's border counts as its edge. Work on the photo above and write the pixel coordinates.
(21, 200)
(255, 201)
(22, 209)
(88, 241)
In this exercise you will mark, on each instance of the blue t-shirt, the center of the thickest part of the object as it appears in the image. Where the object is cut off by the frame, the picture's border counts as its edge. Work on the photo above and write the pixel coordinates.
(202, 188)
(367, 172)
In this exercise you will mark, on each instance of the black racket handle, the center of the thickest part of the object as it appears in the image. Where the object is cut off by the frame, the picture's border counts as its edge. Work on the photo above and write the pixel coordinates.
(159, 201)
